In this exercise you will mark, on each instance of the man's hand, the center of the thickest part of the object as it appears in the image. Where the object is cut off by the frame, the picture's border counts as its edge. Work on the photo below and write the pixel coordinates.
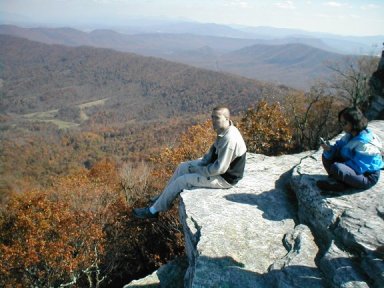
(192, 169)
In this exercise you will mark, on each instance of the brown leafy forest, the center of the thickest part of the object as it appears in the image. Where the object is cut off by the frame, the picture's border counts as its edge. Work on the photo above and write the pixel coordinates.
(87, 134)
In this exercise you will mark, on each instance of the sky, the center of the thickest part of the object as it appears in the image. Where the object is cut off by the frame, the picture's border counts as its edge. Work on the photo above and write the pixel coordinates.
(352, 17)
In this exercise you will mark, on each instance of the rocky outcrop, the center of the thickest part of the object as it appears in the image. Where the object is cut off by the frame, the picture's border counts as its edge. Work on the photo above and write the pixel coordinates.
(275, 229)
(249, 236)
(169, 275)
(376, 83)
(349, 227)
(257, 235)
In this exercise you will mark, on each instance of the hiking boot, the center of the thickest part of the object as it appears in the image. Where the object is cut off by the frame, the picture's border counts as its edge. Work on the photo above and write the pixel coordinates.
(144, 213)
(328, 186)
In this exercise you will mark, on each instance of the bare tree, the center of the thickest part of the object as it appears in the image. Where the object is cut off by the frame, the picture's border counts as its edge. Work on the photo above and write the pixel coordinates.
(351, 79)
(312, 115)
(135, 180)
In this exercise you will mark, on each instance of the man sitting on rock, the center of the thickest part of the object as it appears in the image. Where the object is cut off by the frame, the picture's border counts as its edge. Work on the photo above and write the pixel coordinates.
(221, 167)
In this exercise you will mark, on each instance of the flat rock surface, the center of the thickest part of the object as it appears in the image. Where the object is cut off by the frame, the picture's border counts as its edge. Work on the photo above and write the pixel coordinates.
(246, 236)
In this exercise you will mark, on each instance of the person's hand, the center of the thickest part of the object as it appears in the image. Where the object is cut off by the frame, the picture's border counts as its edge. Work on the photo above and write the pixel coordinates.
(192, 169)
(326, 147)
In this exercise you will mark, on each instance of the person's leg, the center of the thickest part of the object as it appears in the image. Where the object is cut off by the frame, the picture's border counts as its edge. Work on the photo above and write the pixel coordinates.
(151, 212)
(187, 181)
(346, 174)
(182, 169)
(327, 163)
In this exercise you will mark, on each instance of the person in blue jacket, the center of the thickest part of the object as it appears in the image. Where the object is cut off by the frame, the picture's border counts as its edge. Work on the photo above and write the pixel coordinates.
(355, 160)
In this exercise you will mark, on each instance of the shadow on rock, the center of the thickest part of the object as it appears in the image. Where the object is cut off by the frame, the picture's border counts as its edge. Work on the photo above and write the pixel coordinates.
(277, 204)
(169, 275)
(273, 203)
(226, 272)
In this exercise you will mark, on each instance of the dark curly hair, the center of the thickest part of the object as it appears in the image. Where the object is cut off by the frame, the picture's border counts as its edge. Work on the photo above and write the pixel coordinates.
(354, 116)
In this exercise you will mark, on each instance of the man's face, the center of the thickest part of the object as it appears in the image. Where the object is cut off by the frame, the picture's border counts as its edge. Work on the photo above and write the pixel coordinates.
(219, 121)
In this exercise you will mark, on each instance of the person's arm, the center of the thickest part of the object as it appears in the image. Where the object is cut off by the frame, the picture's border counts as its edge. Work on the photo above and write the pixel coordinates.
(331, 150)
(221, 165)
(365, 157)
(207, 156)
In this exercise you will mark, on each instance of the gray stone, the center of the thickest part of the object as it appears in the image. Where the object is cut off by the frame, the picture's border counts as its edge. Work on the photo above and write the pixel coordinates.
(235, 237)
(167, 276)
(340, 269)
(376, 83)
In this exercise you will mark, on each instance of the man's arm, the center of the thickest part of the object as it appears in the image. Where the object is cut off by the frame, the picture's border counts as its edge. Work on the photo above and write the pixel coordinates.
(221, 165)
(207, 156)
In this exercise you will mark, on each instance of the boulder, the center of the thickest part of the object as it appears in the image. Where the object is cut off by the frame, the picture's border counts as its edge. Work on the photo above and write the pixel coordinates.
(168, 275)
(376, 84)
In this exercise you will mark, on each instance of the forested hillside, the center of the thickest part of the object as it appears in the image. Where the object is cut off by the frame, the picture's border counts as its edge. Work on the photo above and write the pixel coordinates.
(38, 77)
(296, 62)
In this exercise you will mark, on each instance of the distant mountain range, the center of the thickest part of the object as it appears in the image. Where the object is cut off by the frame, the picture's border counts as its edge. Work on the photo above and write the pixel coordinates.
(294, 65)
(370, 45)
(296, 62)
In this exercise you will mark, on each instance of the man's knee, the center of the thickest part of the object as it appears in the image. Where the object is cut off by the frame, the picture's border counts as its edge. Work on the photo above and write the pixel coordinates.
(183, 167)
(189, 180)
(183, 181)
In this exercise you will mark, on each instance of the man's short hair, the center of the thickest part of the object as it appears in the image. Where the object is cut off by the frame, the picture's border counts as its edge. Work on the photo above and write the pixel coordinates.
(224, 109)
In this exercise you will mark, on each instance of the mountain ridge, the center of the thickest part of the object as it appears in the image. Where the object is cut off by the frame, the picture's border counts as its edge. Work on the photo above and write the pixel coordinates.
(208, 52)
(40, 77)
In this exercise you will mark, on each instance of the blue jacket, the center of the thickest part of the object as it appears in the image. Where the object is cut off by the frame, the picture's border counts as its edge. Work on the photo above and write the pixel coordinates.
(362, 153)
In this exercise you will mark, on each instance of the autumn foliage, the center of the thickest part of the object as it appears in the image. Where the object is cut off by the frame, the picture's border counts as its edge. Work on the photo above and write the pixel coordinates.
(192, 145)
(266, 129)
(312, 115)
(45, 243)
(80, 233)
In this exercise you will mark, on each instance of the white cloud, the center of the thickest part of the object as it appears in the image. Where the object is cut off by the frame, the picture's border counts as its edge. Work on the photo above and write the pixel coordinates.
(334, 4)
(237, 3)
(285, 5)
(325, 16)
(354, 16)
(370, 6)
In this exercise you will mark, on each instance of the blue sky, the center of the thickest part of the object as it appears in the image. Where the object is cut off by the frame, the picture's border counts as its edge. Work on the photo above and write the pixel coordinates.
(352, 17)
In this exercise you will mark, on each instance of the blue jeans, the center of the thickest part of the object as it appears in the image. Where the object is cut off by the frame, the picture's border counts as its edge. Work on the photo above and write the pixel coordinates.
(181, 180)
(344, 173)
